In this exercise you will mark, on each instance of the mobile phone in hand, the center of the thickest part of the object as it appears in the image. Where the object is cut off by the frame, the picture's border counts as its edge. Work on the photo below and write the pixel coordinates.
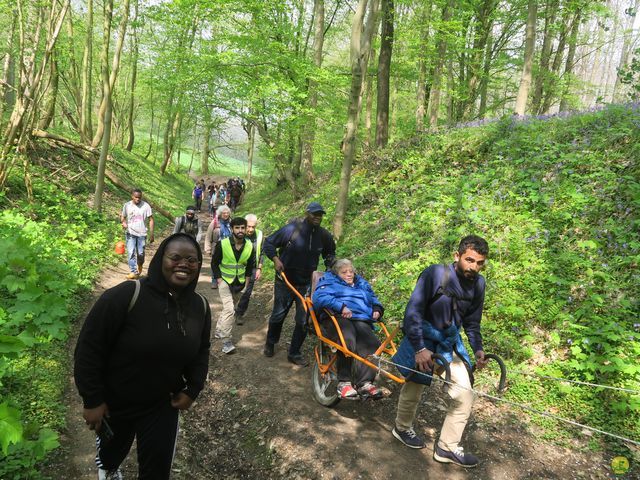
(105, 433)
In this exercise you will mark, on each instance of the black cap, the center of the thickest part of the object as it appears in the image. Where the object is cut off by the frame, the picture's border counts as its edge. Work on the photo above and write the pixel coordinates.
(315, 207)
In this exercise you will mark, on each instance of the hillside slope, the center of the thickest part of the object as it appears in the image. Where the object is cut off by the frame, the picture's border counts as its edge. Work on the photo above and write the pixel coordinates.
(558, 200)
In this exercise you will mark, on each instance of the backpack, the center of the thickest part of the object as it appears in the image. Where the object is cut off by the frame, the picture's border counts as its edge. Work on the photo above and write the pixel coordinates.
(190, 228)
(443, 289)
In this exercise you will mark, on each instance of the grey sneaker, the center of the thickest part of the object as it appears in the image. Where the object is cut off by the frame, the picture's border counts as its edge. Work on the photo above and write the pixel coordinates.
(409, 438)
(457, 457)
(239, 319)
(228, 347)
(110, 474)
(268, 349)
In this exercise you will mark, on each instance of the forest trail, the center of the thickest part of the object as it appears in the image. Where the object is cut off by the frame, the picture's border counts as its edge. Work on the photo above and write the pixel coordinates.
(256, 419)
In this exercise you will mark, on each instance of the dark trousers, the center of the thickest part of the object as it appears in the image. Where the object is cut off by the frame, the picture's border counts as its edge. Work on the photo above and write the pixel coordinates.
(155, 430)
(283, 298)
(198, 203)
(361, 339)
(243, 303)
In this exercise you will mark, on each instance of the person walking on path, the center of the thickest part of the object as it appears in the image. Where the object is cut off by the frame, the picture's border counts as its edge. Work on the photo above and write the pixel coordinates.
(256, 237)
(189, 223)
(218, 229)
(232, 264)
(296, 249)
(133, 218)
(446, 298)
(142, 356)
(198, 192)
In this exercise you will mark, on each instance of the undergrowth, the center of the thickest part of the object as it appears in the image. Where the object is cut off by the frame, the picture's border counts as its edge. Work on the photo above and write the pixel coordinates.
(53, 250)
(558, 202)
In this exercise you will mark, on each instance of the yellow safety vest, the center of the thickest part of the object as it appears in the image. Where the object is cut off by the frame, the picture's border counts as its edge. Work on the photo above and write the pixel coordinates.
(229, 267)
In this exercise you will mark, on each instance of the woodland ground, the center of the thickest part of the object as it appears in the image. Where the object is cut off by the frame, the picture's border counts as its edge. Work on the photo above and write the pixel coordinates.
(256, 419)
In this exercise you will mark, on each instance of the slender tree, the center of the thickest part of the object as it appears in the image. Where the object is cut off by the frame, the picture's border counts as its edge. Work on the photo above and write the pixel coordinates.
(360, 47)
(310, 127)
(86, 126)
(441, 52)
(527, 68)
(134, 77)
(384, 73)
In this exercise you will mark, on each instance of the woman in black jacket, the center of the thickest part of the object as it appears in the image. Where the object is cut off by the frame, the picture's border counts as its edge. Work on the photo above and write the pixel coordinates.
(143, 355)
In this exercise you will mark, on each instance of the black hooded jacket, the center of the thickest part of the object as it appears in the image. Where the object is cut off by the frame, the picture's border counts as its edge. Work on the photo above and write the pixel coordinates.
(134, 360)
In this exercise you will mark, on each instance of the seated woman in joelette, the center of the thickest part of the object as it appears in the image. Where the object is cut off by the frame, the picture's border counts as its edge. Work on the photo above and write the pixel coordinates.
(357, 308)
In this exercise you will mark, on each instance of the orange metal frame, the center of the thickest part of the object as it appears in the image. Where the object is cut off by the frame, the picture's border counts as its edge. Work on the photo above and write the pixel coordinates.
(387, 346)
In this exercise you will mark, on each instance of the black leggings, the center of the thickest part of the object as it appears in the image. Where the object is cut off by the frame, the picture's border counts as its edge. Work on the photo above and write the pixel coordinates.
(361, 339)
(155, 430)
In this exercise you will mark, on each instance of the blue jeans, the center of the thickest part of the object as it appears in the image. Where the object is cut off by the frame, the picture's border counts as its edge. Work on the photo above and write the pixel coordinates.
(135, 250)
(283, 298)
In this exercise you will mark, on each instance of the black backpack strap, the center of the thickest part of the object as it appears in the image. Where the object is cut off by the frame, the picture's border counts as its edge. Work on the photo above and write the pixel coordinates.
(443, 285)
(205, 302)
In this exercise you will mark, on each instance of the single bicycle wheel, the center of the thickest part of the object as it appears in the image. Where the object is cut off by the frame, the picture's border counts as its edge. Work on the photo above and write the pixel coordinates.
(324, 386)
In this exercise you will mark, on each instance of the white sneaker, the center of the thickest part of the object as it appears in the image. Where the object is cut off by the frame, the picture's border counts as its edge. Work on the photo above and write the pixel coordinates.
(228, 347)
(110, 474)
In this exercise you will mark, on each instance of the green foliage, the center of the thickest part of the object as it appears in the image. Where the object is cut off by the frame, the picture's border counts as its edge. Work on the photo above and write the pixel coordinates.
(557, 200)
(53, 249)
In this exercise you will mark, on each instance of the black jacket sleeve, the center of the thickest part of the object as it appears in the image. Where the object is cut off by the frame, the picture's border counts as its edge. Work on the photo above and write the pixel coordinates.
(328, 250)
(471, 320)
(216, 259)
(195, 374)
(99, 333)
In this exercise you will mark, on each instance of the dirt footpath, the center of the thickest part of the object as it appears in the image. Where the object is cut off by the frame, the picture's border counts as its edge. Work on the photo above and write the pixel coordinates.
(256, 419)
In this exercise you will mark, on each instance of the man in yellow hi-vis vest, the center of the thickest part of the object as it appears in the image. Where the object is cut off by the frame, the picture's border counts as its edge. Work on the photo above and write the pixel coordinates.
(256, 237)
(232, 264)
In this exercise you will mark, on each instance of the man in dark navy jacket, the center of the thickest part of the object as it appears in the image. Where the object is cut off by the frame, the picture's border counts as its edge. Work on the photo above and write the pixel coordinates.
(446, 299)
(296, 249)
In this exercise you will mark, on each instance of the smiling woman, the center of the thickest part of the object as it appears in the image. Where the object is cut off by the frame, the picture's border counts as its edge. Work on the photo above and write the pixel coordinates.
(140, 360)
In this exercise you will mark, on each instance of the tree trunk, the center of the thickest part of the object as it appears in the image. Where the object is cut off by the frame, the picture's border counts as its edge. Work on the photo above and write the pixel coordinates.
(6, 69)
(86, 127)
(250, 148)
(115, 66)
(359, 54)
(530, 40)
(384, 73)
(308, 134)
(627, 43)
(441, 49)
(545, 55)
(478, 59)
(51, 95)
(484, 80)
(134, 75)
(421, 95)
(104, 152)
(206, 137)
(107, 15)
(568, 69)
(153, 111)
(550, 92)
(367, 94)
